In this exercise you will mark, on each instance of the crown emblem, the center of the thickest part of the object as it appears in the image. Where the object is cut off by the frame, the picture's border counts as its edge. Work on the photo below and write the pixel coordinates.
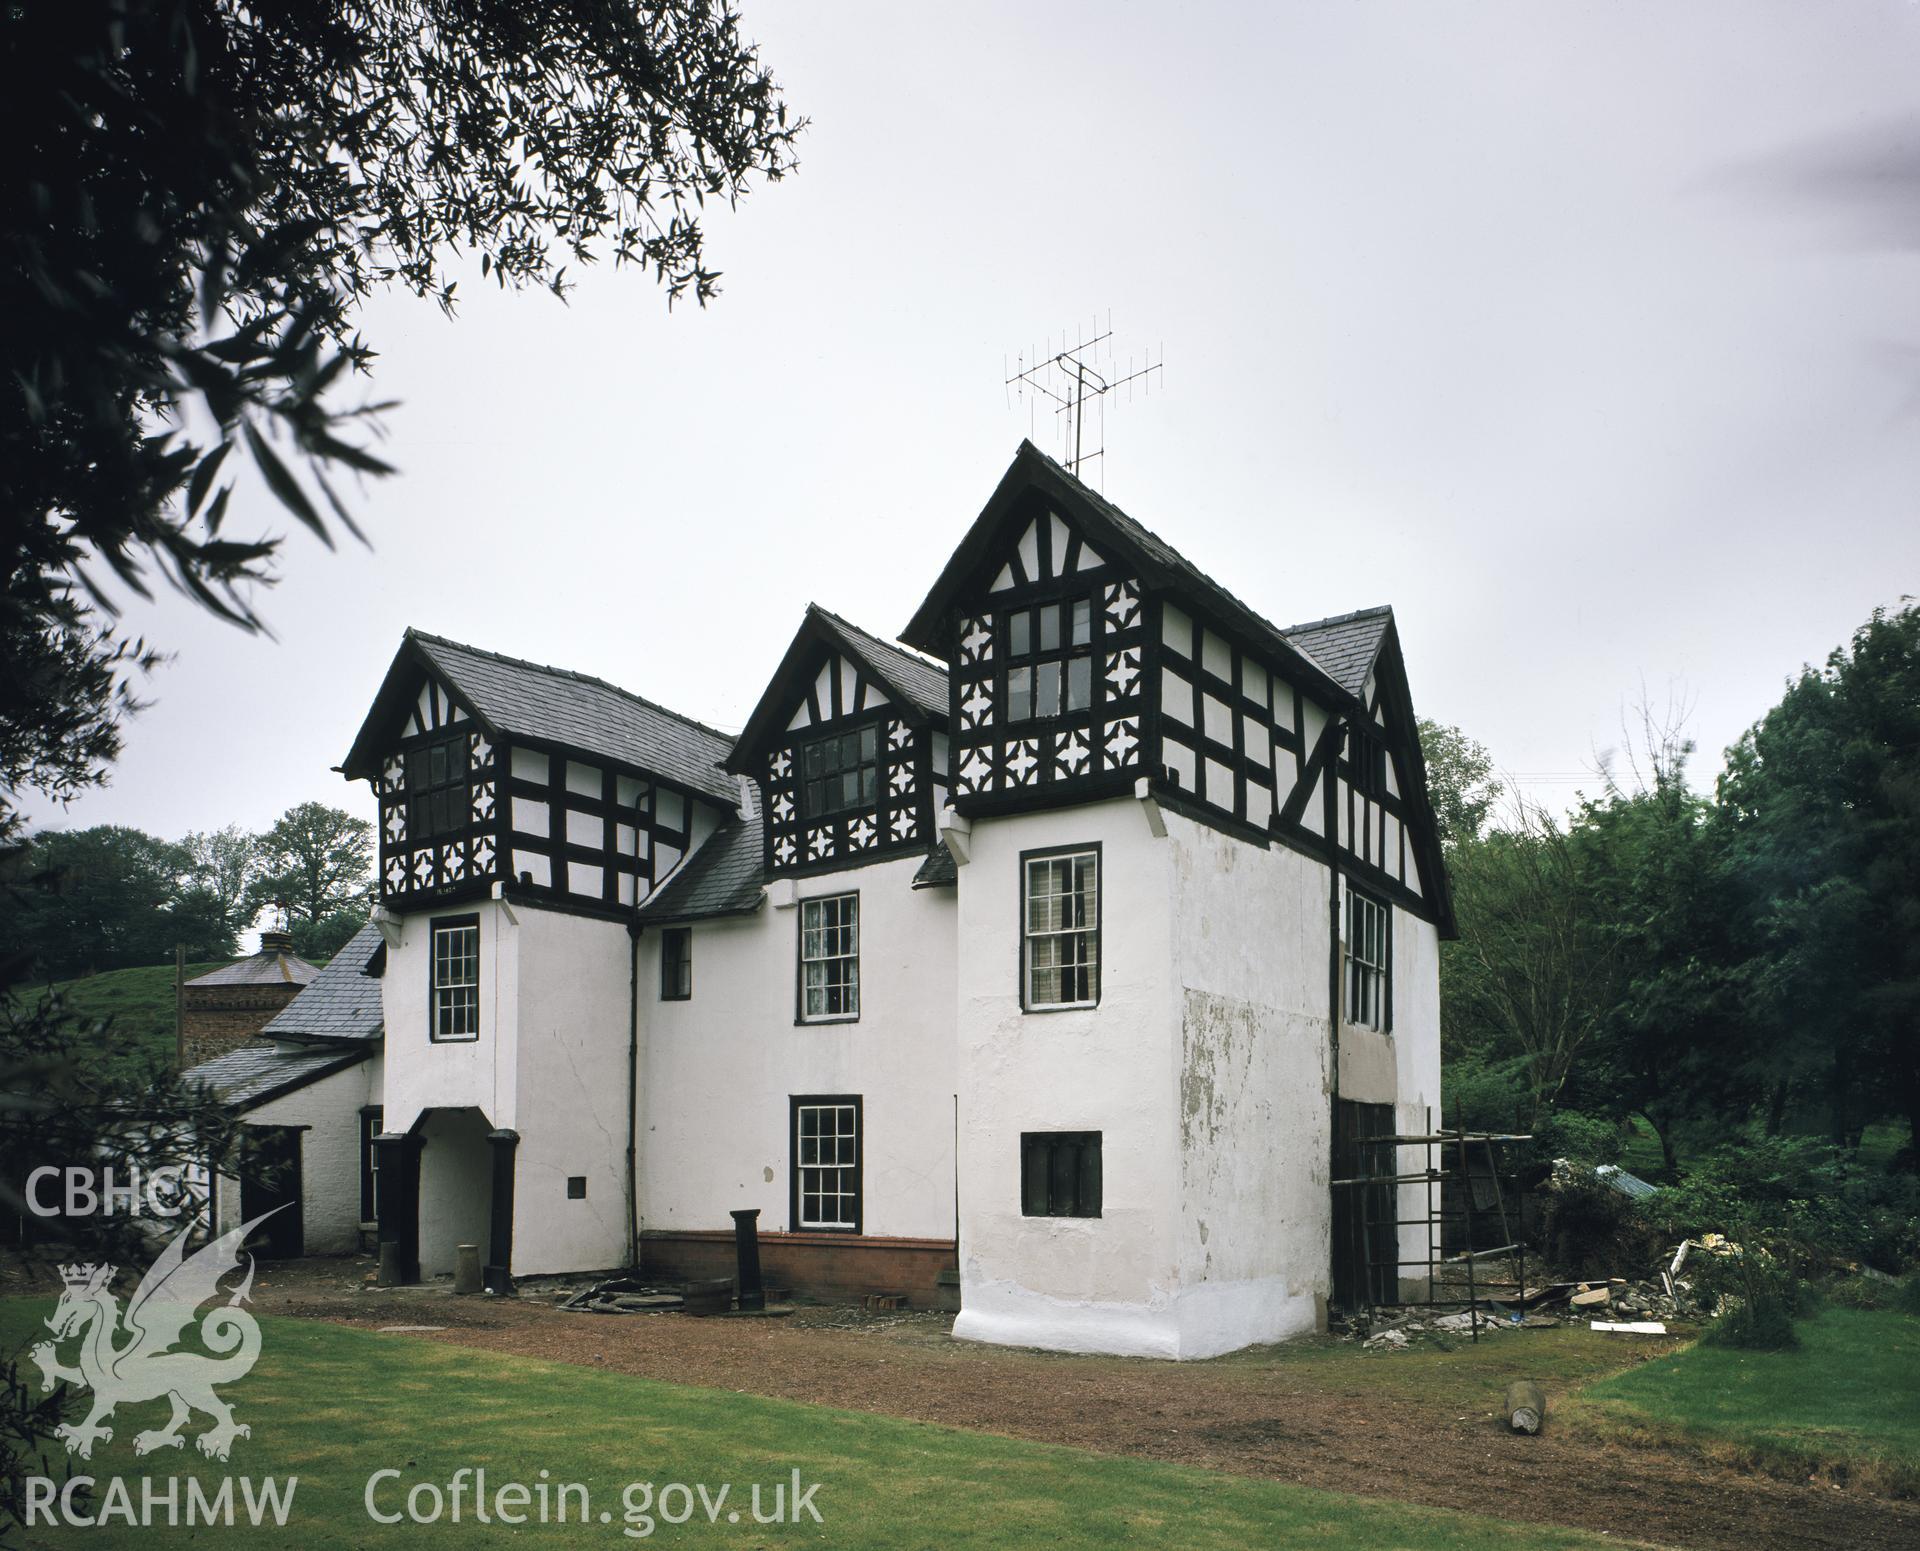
(79, 1275)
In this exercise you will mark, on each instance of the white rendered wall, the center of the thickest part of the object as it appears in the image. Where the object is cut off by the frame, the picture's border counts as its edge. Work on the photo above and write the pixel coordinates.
(1255, 1063)
(550, 1063)
(453, 1074)
(1105, 1284)
(328, 1113)
(575, 997)
(718, 1070)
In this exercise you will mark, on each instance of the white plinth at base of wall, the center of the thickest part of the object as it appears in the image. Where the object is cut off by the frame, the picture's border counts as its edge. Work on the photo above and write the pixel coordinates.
(1205, 1321)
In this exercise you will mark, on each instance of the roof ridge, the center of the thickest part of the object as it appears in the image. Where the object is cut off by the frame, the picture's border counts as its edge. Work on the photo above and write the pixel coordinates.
(414, 633)
(1340, 619)
(912, 654)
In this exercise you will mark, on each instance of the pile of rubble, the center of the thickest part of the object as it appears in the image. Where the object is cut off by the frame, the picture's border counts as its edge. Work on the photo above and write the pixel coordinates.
(620, 1295)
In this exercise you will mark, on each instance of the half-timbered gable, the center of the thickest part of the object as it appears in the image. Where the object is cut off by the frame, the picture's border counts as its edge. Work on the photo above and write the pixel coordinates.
(491, 771)
(1368, 784)
(1039, 616)
(1088, 654)
(848, 745)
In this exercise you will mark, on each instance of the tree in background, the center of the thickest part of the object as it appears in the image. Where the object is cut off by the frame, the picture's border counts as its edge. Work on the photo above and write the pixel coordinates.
(317, 862)
(106, 898)
(1820, 804)
(223, 864)
(199, 195)
(1460, 782)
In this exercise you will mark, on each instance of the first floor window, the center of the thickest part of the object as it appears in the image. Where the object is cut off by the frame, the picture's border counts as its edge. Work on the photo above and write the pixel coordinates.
(830, 958)
(1061, 930)
(839, 773)
(826, 1163)
(437, 787)
(1046, 675)
(1367, 982)
(1060, 1173)
(456, 978)
(676, 964)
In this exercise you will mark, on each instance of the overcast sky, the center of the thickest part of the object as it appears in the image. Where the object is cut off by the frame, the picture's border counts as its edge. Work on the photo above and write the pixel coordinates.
(1521, 318)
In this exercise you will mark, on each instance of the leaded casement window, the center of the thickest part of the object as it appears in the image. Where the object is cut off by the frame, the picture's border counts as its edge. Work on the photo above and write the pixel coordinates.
(1367, 760)
(1368, 984)
(839, 773)
(830, 958)
(676, 964)
(455, 1000)
(437, 798)
(826, 1163)
(1060, 929)
(369, 1164)
(1049, 659)
(1060, 1173)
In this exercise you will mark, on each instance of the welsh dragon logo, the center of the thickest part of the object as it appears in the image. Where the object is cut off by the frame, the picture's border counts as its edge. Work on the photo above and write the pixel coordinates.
(127, 1357)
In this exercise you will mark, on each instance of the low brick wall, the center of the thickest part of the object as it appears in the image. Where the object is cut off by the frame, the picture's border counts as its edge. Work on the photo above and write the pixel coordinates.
(833, 1266)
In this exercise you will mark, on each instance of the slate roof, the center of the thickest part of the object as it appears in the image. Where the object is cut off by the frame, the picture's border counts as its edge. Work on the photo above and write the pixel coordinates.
(260, 1070)
(269, 967)
(722, 878)
(343, 1003)
(939, 870)
(924, 683)
(559, 706)
(1345, 645)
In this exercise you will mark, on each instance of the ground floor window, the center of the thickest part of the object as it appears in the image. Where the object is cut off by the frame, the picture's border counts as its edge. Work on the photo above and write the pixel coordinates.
(1060, 1173)
(826, 1163)
(369, 1164)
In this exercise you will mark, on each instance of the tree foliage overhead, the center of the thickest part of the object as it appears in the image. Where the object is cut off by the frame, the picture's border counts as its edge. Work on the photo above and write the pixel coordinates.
(200, 193)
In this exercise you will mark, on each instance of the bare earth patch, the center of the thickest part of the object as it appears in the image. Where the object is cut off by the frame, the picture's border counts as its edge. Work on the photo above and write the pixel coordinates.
(1368, 1424)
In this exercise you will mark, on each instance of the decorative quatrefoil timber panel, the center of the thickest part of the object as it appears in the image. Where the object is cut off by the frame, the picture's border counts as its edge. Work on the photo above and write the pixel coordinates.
(1023, 761)
(976, 639)
(905, 824)
(1122, 743)
(1070, 759)
(1123, 605)
(976, 771)
(861, 833)
(976, 708)
(1123, 672)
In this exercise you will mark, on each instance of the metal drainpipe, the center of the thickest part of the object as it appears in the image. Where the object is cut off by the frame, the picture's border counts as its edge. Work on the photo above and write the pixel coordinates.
(633, 1096)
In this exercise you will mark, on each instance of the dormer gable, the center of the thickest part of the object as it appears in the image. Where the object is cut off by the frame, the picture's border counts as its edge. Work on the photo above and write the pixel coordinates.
(849, 747)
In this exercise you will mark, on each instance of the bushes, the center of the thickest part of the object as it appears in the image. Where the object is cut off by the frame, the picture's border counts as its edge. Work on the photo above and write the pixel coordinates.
(1810, 1203)
(1757, 1299)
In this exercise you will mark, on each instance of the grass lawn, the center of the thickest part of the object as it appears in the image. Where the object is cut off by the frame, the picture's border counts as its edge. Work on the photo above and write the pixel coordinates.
(332, 1405)
(1843, 1403)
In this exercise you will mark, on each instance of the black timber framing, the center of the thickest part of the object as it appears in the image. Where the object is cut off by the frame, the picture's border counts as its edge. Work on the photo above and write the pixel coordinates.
(602, 806)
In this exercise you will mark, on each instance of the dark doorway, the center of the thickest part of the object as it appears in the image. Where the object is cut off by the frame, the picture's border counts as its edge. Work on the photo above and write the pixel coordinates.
(270, 1178)
(1365, 1237)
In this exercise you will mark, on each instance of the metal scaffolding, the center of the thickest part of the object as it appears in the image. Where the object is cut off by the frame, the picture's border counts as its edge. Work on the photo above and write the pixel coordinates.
(1444, 1157)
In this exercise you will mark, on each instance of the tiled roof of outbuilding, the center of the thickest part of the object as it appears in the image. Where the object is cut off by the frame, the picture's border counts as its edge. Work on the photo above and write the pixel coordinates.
(343, 1002)
(722, 878)
(268, 967)
(259, 1070)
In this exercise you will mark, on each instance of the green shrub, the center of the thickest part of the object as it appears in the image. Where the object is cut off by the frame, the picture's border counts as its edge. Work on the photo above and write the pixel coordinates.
(1862, 1292)
(1580, 1138)
(1809, 1202)
(1757, 1297)
(1907, 1299)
